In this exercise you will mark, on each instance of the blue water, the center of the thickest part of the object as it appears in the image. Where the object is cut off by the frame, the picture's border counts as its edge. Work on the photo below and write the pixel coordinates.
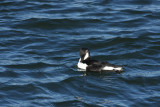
(39, 50)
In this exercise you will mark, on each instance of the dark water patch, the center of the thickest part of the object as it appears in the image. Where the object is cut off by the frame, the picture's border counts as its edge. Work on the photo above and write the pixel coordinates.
(148, 34)
(142, 81)
(22, 41)
(33, 75)
(130, 23)
(104, 2)
(15, 92)
(142, 2)
(69, 103)
(122, 42)
(146, 103)
(69, 10)
(55, 88)
(18, 88)
(10, 33)
(8, 73)
(136, 2)
(9, 3)
(30, 65)
(155, 15)
(155, 48)
(12, 7)
(152, 51)
(55, 23)
(136, 12)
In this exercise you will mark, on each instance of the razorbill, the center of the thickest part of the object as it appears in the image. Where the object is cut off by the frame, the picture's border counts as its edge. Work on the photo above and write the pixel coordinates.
(86, 63)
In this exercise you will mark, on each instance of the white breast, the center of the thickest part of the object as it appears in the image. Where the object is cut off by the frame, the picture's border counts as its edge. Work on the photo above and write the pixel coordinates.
(82, 65)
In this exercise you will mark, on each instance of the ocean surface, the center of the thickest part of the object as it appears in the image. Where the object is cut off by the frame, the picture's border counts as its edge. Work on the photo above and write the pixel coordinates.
(39, 50)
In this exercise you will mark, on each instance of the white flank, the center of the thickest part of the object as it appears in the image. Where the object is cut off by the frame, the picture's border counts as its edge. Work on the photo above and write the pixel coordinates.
(81, 65)
(112, 68)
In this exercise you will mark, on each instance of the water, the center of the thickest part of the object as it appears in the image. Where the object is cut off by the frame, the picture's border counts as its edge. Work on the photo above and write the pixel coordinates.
(39, 50)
